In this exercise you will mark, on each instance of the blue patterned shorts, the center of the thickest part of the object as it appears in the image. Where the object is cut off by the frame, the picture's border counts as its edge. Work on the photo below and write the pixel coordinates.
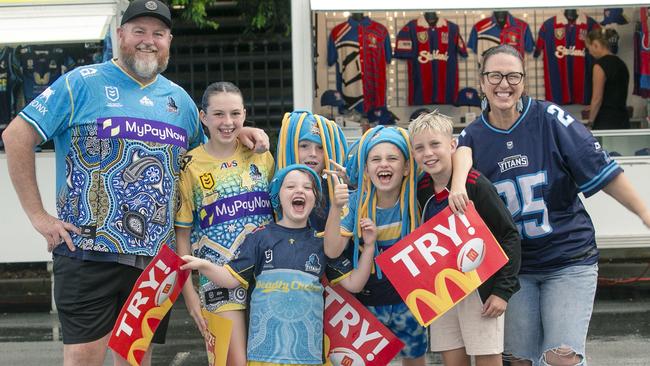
(399, 319)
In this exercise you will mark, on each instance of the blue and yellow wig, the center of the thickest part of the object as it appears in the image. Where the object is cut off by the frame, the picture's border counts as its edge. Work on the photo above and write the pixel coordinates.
(303, 125)
(278, 178)
(367, 195)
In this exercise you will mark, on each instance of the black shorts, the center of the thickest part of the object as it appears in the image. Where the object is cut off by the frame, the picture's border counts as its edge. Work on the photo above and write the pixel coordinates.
(89, 297)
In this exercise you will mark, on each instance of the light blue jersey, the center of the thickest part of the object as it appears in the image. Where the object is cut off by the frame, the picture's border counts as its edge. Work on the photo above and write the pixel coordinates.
(119, 145)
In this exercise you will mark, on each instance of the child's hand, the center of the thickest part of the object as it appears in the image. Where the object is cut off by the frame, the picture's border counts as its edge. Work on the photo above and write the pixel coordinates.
(193, 305)
(368, 232)
(339, 171)
(494, 306)
(192, 262)
(341, 193)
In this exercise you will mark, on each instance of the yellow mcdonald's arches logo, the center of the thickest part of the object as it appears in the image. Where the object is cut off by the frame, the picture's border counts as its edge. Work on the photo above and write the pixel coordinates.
(142, 344)
(441, 300)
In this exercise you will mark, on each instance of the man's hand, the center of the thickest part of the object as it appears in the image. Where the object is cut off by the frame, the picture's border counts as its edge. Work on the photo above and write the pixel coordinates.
(494, 306)
(254, 139)
(54, 230)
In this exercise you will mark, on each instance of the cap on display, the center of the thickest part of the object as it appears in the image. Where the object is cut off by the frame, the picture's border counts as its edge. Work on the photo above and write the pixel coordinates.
(614, 16)
(333, 98)
(468, 97)
(382, 116)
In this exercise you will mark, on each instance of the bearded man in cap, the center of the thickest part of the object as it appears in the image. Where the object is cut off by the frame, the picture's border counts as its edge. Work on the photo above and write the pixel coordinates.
(120, 131)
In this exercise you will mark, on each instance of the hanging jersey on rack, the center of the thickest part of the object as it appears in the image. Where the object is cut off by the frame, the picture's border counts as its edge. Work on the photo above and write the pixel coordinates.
(432, 54)
(487, 33)
(361, 50)
(639, 36)
(40, 66)
(567, 64)
(8, 70)
(644, 48)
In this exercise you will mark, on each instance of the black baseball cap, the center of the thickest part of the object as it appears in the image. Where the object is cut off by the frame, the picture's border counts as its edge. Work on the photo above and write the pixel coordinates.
(147, 8)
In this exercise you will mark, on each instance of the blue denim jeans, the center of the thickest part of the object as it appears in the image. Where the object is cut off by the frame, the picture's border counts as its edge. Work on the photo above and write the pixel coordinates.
(550, 311)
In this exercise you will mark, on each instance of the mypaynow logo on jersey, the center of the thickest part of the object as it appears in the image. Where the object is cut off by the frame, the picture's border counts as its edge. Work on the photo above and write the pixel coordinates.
(152, 296)
(141, 130)
(230, 208)
(353, 336)
(442, 262)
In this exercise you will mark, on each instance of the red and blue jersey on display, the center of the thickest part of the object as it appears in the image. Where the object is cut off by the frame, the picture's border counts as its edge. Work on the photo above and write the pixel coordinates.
(360, 50)
(539, 166)
(567, 64)
(487, 33)
(432, 54)
(642, 54)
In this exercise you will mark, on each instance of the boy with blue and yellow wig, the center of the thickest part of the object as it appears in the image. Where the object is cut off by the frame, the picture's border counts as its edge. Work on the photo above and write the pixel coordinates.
(386, 195)
(320, 144)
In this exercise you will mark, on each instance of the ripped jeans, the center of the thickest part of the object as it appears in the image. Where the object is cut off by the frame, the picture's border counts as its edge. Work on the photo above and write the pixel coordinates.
(551, 311)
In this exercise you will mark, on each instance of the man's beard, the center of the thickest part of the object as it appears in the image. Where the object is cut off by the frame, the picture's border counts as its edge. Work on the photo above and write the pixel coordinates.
(144, 68)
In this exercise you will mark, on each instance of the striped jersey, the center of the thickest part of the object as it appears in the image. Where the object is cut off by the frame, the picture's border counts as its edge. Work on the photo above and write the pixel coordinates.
(487, 33)
(567, 63)
(360, 50)
(432, 54)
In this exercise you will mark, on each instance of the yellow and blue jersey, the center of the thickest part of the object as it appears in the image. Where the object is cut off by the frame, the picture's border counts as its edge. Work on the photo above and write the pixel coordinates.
(378, 290)
(223, 200)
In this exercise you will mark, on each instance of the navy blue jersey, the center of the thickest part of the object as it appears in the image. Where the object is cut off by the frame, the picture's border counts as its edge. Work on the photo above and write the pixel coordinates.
(8, 65)
(539, 166)
(40, 66)
(286, 320)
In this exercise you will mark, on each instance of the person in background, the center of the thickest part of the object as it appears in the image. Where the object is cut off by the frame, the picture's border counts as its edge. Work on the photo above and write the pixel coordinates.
(608, 108)
(540, 158)
(120, 131)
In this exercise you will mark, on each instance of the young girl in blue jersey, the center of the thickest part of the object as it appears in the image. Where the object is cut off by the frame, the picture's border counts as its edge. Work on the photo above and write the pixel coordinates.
(319, 143)
(539, 158)
(385, 177)
(223, 196)
(287, 259)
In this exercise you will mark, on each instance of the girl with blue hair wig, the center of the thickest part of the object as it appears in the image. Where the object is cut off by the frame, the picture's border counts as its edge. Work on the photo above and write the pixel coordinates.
(318, 143)
(384, 171)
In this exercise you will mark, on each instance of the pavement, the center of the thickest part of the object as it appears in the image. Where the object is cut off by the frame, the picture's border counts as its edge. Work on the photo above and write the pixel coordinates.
(619, 334)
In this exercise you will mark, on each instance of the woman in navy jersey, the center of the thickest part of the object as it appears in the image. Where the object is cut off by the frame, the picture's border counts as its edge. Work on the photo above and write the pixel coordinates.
(539, 158)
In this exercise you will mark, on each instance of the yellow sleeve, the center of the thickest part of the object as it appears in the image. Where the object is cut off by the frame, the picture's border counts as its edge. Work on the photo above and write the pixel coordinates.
(184, 217)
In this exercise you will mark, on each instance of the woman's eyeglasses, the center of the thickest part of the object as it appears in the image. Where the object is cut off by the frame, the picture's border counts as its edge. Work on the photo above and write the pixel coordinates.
(495, 77)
